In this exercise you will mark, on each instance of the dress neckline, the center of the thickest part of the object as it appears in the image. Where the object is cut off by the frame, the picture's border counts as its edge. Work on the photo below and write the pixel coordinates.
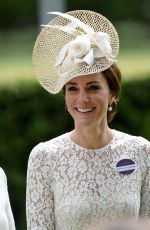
(89, 149)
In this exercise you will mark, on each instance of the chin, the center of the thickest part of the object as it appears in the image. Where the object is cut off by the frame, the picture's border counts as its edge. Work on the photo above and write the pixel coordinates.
(84, 124)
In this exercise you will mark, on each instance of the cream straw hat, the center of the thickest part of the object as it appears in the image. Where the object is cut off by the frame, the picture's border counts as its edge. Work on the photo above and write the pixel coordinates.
(76, 43)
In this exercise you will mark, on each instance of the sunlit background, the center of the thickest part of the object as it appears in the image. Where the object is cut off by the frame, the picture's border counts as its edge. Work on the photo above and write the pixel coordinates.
(28, 114)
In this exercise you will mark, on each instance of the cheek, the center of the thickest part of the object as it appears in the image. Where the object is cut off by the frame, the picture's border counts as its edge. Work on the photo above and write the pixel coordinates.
(69, 101)
(102, 99)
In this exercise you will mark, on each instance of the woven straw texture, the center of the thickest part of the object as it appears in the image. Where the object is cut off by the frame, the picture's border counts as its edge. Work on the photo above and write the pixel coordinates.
(50, 41)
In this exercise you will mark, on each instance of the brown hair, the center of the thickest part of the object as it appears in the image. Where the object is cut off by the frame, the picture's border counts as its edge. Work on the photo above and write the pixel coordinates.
(113, 78)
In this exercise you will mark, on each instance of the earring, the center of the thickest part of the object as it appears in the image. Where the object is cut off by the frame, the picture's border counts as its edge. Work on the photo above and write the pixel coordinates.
(109, 108)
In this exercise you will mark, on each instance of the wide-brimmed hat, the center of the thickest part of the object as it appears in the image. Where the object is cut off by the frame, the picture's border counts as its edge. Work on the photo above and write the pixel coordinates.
(75, 43)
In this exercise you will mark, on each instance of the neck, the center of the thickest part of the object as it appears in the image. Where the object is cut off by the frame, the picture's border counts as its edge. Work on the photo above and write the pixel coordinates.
(92, 138)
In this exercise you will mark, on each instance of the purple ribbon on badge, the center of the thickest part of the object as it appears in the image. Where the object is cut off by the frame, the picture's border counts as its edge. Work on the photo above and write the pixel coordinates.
(125, 166)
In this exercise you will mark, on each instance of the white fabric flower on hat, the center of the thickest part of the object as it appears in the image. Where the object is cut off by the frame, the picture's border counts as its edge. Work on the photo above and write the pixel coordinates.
(85, 47)
(102, 42)
(79, 47)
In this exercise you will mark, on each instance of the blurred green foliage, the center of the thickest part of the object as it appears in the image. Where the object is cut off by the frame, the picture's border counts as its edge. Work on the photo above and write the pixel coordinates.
(115, 10)
(29, 115)
(134, 108)
(19, 13)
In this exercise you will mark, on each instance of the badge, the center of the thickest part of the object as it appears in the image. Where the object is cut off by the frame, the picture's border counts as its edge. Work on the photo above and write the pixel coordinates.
(125, 166)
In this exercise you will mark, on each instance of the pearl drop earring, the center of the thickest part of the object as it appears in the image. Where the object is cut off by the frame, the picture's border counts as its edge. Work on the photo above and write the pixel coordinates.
(109, 108)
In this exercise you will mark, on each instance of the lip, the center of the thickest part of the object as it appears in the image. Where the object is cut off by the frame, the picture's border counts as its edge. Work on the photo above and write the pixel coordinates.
(85, 110)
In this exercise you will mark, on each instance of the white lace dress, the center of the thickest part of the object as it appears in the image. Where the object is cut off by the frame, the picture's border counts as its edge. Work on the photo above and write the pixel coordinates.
(69, 187)
(6, 216)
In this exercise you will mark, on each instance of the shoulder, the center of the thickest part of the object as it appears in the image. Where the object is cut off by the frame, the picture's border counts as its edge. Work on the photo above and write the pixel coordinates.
(49, 148)
(135, 140)
(2, 173)
(3, 179)
(136, 143)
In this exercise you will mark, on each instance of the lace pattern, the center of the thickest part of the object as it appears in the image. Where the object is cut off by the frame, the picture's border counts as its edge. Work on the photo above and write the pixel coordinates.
(69, 186)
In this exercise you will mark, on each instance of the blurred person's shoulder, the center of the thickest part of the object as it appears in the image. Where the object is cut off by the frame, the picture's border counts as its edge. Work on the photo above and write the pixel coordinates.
(3, 179)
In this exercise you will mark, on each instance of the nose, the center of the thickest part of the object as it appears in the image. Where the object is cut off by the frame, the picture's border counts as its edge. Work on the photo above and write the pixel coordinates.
(83, 96)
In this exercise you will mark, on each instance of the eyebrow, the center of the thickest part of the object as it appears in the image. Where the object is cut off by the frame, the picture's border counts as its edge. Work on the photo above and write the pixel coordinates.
(93, 82)
(88, 83)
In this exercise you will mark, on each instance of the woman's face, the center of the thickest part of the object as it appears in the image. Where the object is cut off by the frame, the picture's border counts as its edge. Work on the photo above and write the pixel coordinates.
(87, 99)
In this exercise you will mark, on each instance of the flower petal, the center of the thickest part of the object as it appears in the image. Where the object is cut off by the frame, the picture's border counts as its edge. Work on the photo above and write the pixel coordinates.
(61, 55)
(102, 41)
(89, 58)
(67, 64)
(97, 53)
(78, 60)
(79, 47)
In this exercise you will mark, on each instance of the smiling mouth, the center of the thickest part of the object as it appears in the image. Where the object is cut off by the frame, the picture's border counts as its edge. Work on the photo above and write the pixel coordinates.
(85, 110)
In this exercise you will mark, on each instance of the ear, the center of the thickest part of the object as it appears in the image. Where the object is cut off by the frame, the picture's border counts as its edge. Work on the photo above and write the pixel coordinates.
(112, 97)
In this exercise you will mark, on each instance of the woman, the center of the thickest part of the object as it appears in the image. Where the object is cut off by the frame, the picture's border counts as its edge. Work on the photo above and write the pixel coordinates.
(93, 173)
(6, 216)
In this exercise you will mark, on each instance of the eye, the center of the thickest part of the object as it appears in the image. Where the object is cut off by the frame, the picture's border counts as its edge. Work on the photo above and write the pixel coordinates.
(72, 88)
(94, 87)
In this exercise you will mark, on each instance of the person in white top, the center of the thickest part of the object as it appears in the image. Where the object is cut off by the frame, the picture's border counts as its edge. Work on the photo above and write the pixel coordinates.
(6, 215)
(93, 173)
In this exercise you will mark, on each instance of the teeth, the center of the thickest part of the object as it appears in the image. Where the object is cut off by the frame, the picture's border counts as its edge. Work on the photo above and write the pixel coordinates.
(85, 110)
